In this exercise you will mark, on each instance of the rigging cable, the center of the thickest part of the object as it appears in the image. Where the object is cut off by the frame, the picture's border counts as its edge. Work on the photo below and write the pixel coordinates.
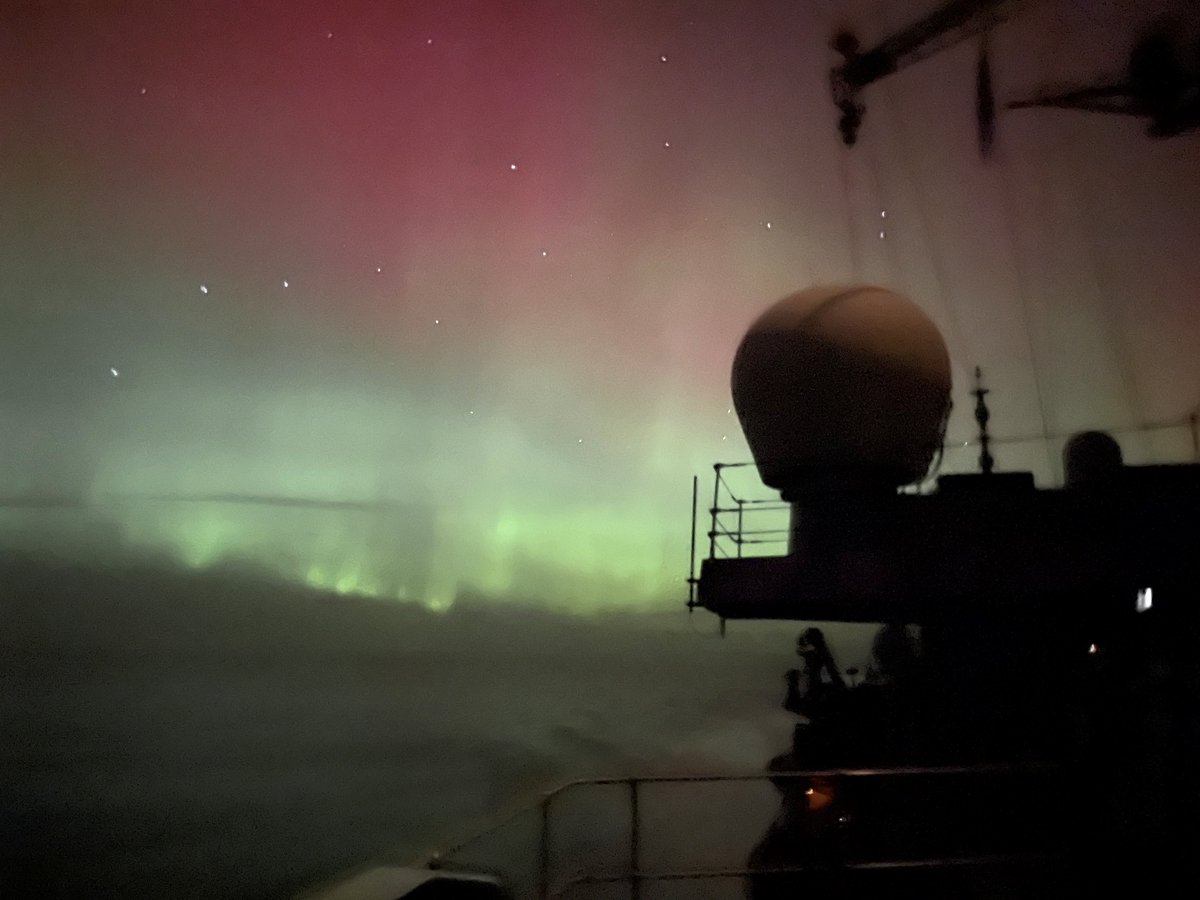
(851, 231)
(1038, 171)
(1085, 212)
(1021, 274)
(891, 260)
(936, 261)
(858, 258)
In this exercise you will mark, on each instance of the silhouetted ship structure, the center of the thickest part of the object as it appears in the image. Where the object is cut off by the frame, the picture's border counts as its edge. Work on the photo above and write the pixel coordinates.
(1053, 700)
(1038, 738)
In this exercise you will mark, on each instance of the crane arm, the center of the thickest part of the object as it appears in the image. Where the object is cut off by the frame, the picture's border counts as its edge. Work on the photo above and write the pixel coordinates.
(954, 21)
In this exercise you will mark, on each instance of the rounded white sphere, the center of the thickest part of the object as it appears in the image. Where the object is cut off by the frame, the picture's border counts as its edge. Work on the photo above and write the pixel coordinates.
(842, 386)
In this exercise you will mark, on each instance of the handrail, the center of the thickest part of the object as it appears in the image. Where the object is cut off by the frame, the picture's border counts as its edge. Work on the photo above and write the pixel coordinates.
(635, 875)
(701, 874)
(720, 532)
(858, 772)
(726, 538)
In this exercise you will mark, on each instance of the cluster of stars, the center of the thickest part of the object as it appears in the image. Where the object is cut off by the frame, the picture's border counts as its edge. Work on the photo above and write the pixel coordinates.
(287, 283)
(512, 167)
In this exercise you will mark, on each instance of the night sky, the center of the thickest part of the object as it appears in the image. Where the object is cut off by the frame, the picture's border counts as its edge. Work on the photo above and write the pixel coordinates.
(416, 298)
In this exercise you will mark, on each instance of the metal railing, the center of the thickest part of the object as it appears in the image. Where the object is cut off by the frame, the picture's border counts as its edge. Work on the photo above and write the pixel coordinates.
(635, 876)
(740, 520)
(747, 518)
(741, 874)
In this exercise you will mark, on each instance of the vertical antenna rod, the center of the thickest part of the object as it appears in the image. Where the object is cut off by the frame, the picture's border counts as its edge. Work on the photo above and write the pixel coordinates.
(692, 556)
(986, 462)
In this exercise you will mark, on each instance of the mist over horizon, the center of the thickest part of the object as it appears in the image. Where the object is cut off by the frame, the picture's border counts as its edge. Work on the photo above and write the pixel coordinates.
(217, 733)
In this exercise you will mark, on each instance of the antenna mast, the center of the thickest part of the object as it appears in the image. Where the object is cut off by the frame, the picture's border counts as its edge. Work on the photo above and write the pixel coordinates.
(986, 461)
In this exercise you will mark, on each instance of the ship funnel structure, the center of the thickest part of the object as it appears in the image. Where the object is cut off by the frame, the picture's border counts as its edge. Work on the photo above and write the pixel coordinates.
(842, 388)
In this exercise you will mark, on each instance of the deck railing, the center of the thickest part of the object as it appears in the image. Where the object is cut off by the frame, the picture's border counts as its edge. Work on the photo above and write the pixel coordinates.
(550, 878)
(748, 519)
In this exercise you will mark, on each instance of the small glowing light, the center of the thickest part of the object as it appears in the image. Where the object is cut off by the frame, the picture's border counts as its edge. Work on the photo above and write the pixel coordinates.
(881, 235)
(729, 411)
(666, 143)
(581, 440)
(115, 373)
(724, 436)
(768, 226)
(437, 321)
(1092, 648)
(428, 41)
(809, 792)
(328, 34)
(285, 284)
(142, 91)
(204, 288)
(662, 58)
(543, 253)
(1145, 599)
(379, 268)
(512, 167)
(883, 214)
(471, 413)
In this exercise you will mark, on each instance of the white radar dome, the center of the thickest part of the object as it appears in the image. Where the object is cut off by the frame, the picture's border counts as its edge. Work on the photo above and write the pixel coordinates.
(842, 386)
